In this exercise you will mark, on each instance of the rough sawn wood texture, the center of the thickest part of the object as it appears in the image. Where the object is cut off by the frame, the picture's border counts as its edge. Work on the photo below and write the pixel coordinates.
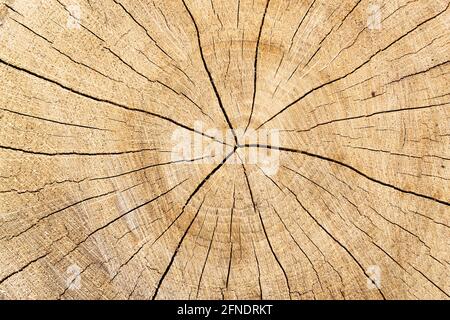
(96, 94)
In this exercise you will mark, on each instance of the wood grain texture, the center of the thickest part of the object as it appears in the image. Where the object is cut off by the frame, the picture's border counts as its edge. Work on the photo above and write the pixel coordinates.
(95, 97)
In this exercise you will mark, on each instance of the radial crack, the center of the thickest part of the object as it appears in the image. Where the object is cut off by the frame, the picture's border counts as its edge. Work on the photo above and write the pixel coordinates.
(306, 153)
(255, 66)
(354, 70)
(107, 101)
(205, 65)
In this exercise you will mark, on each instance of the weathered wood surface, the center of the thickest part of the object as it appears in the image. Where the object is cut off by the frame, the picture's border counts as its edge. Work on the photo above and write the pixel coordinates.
(95, 97)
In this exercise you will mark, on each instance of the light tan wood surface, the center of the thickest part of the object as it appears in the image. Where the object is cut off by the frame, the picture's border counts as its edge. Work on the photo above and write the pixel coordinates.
(224, 149)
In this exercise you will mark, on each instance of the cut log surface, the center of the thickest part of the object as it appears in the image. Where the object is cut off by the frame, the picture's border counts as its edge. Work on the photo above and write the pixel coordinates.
(224, 149)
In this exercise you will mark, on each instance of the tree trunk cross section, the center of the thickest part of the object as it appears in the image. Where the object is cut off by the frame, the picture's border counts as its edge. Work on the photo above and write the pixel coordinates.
(214, 149)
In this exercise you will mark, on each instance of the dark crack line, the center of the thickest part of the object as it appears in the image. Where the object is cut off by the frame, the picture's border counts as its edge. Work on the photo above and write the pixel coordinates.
(60, 210)
(76, 18)
(181, 94)
(238, 11)
(336, 241)
(310, 180)
(268, 177)
(130, 66)
(431, 219)
(306, 153)
(196, 190)
(300, 24)
(298, 245)
(259, 271)
(317, 247)
(72, 59)
(32, 31)
(43, 186)
(195, 242)
(24, 267)
(401, 227)
(12, 9)
(391, 153)
(389, 256)
(136, 284)
(418, 72)
(348, 14)
(355, 69)
(265, 232)
(372, 114)
(428, 45)
(110, 102)
(166, 271)
(134, 254)
(78, 276)
(74, 153)
(148, 167)
(429, 280)
(255, 66)
(54, 121)
(144, 29)
(77, 245)
(230, 238)
(207, 255)
(205, 65)
(104, 177)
